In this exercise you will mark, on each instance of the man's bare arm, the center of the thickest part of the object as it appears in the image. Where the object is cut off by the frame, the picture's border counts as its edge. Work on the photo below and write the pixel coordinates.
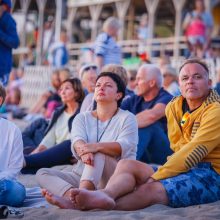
(150, 116)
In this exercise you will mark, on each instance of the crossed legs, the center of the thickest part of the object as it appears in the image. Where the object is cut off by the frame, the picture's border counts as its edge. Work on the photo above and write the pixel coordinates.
(56, 186)
(93, 176)
(127, 189)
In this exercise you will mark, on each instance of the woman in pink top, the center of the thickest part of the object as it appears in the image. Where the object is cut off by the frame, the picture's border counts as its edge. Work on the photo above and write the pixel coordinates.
(196, 35)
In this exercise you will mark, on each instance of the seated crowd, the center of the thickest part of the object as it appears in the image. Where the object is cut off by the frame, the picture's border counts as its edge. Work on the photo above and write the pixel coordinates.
(132, 139)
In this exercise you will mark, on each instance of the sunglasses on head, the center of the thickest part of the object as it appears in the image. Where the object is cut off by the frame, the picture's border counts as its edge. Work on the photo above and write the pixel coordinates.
(90, 68)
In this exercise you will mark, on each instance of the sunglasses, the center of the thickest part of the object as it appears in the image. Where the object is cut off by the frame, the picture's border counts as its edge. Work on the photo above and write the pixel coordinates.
(90, 68)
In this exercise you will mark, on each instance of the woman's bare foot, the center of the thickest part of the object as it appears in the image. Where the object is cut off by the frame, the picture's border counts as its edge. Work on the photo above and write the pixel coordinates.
(86, 200)
(61, 202)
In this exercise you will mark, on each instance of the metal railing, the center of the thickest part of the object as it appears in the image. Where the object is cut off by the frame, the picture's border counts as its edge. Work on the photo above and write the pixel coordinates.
(152, 46)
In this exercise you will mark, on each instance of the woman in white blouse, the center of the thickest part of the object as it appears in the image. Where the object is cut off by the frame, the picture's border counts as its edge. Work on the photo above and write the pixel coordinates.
(55, 148)
(99, 139)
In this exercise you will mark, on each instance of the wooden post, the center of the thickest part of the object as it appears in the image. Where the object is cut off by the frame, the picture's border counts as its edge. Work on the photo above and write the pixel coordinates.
(13, 4)
(70, 19)
(208, 5)
(24, 5)
(178, 4)
(59, 5)
(131, 19)
(122, 8)
(151, 7)
(95, 11)
(41, 6)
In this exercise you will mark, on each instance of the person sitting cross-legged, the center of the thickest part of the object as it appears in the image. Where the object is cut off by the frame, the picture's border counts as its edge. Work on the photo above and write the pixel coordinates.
(191, 176)
(100, 138)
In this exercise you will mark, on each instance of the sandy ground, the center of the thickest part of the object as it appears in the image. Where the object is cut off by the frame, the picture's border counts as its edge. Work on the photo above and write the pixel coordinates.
(156, 212)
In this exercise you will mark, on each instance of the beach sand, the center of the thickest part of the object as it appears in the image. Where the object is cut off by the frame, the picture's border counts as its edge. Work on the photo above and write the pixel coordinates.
(155, 212)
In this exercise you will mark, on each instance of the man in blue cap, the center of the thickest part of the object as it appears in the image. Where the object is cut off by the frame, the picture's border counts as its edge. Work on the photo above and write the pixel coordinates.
(8, 39)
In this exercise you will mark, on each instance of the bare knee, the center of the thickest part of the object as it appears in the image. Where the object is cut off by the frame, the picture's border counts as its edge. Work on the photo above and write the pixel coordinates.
(154, 193)
(139, 170)
(126, 165)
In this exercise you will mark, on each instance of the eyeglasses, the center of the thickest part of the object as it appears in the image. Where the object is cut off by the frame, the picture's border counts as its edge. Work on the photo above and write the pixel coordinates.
(132, 78)
(90, 68)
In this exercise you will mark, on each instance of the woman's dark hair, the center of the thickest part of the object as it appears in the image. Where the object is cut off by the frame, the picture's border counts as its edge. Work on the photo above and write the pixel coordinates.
(77, 86)
(117, 79)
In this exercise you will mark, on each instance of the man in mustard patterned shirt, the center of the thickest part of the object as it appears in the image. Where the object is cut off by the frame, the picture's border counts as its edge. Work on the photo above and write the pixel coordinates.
(191, 174)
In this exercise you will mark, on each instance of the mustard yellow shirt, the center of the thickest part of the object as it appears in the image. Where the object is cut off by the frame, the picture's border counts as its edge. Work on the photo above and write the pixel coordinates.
(197, 141)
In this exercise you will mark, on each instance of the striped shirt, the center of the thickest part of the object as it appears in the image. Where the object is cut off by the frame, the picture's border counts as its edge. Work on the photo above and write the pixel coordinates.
(106, 46)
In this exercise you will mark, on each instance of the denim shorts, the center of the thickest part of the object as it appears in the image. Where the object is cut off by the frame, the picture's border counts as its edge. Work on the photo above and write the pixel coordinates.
(196, 39)
(200, 185)
(12, 193)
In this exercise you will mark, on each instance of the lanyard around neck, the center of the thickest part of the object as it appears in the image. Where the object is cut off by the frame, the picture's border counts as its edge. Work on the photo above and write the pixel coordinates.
(97, 127)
